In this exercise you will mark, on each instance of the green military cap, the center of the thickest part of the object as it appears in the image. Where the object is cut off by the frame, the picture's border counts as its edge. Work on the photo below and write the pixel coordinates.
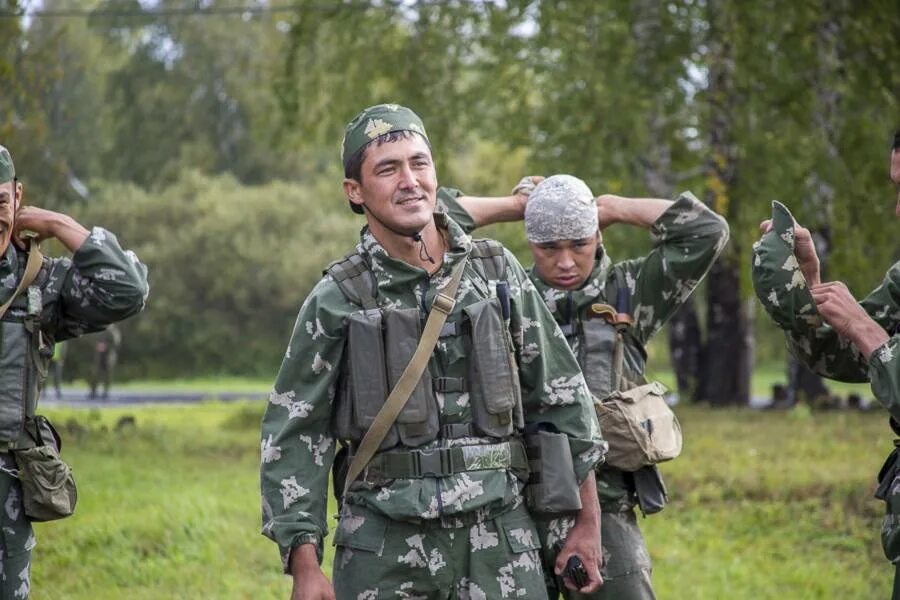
(374, 122)
(7, 170)
(777, 280)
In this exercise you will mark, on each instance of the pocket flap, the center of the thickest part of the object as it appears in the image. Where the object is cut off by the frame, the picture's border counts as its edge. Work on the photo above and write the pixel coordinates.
(361, 529)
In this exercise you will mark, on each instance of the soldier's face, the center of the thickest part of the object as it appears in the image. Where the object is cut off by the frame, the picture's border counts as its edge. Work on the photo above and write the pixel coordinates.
(10, 194)
(565, 264)
(398, 187)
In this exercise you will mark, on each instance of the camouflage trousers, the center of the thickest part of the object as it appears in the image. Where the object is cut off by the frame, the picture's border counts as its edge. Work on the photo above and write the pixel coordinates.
(16, 535)
(626, 569)
(378, 557)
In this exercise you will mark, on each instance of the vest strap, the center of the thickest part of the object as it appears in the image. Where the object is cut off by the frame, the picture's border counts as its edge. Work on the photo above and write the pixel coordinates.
(35, 258)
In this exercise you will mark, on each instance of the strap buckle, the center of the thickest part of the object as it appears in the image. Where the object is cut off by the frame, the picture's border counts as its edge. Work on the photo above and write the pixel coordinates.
(443, 303)
(432, 463)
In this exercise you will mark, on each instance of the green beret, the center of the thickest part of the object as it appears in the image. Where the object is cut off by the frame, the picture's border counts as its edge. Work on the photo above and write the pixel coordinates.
(7, 170)
(376, 121)
(777, 280)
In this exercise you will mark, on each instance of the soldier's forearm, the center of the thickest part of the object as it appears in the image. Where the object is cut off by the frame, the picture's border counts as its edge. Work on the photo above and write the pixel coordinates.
(640, 212)
(497, 209)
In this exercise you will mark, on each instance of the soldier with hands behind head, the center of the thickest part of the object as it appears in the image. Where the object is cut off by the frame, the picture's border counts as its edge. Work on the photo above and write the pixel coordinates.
(44, 301)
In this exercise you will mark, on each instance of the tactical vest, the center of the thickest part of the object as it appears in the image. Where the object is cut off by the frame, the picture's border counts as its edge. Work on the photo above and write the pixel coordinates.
(381, 340)
(596, 342)
(25, 355)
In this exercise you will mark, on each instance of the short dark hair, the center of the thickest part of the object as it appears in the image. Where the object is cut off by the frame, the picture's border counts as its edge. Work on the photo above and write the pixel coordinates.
(896, 144)
(353, 166)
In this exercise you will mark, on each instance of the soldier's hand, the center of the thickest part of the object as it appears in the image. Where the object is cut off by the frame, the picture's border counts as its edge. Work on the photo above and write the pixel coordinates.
(804, 250)
(46, 224)
(523, 189)
(310, 582)
(583, 542)
(840, 309)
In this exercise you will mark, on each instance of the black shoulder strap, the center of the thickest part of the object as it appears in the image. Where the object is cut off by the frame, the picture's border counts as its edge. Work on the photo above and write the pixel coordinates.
(355, 278)
(491, 259)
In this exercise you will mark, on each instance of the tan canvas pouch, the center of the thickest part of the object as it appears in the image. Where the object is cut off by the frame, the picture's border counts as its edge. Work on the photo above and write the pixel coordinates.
(640, 427)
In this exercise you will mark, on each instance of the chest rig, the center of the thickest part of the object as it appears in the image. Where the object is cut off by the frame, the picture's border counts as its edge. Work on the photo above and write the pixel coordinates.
(25, 353)
(381, 341)
(593, 332)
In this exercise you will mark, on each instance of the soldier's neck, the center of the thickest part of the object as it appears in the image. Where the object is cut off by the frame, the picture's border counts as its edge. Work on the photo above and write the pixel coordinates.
(426, 252)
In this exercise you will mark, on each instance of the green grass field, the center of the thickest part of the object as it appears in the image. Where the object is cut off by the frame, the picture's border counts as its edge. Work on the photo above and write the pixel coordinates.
(764, 505)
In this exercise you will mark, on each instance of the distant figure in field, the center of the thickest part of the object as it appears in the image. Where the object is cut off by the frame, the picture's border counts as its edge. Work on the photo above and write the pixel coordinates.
(56, 367)
(859, 341)
(106, 353)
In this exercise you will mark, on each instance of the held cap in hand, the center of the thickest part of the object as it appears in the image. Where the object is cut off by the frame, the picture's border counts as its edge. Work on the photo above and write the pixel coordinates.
(777, 279)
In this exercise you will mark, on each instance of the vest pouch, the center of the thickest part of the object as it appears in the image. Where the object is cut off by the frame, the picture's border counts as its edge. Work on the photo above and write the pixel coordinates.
(418, 422)
(365, 382)
(640, 427)
(15, 377)
(48, 488)
(598, 343)
(552, 489)
(493, 374)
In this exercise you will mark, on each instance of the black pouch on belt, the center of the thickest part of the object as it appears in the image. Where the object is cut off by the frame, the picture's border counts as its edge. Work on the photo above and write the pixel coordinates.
(552, 489)
(650, 489)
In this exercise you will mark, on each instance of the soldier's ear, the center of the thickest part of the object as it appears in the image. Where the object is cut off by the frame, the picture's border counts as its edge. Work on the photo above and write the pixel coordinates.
(354, 192)
(19, 192)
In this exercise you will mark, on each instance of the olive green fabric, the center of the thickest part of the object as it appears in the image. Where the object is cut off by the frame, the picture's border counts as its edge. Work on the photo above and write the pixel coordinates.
(16, 534)
(777, 280)
(378, 558)
(7, 169)
(376, 121)
(298, 440)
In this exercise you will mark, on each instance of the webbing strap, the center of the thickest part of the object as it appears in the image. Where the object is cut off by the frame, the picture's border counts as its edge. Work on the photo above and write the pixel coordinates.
(491, 257)
(31, 270)
(441, 462)
(443, 304)
(355, 279)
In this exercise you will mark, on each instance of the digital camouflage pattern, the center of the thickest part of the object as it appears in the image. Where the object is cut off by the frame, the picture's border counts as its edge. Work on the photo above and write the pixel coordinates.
(687, 238)
(297, 442)
(376, 121)
(100, 284)
(495, 558)
(7, 169)
(777, 280)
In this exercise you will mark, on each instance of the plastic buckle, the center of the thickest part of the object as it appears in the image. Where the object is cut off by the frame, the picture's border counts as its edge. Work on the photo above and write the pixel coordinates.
(430, 463)
(443, 303)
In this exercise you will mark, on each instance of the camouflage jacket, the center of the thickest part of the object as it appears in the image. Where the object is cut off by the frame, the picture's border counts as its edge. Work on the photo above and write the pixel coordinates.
(297, 440)
(834, 357)
(688, 237)
(100, 284)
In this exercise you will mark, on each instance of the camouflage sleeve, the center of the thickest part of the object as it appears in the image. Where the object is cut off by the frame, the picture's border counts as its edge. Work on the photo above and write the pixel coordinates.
(100, 284)
(687, 239)
(446, 202)
(832, 356)
(297, 448)
(553, 388)
(884, 372)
